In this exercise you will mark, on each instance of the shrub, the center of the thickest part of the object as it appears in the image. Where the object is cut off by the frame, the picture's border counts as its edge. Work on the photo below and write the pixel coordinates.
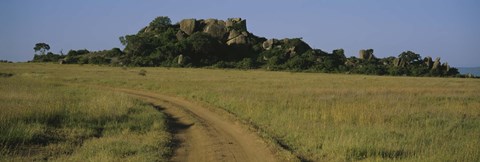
(223, 64)
(246, 63)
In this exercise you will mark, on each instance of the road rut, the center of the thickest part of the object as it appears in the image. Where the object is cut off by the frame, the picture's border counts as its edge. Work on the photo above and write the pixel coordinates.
(203, 135)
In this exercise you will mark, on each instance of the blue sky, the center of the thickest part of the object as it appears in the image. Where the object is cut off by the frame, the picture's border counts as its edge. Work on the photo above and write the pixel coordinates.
(439, 28)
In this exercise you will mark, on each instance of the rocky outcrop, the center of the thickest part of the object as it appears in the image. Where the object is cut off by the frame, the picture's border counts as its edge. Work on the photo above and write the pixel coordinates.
(237, 37)
(181, 35)
(436, 64)
(232, 32)
(349, 63)
(428, 62)
(188, 26)
(366, 54)
(399, 62)
(236, 24)
(447, 67)
(216, 28)
(290, 47)
(269, 44)
(294, 46)
(180, 60)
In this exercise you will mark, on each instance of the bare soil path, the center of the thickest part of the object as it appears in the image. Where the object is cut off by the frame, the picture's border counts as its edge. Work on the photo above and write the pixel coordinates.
(203, 135)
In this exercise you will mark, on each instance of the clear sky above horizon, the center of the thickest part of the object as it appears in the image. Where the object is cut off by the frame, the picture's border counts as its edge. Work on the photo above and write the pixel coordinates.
(449, 29)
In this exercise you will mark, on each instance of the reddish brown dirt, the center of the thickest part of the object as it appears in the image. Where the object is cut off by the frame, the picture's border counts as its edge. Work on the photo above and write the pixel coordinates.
(204, 135)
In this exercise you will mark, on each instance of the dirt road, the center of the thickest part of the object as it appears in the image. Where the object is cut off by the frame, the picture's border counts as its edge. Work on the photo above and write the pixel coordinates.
(203, 135)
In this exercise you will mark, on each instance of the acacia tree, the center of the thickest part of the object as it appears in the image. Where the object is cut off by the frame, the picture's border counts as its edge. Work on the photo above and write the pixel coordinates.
(42, 47)
(161, 22)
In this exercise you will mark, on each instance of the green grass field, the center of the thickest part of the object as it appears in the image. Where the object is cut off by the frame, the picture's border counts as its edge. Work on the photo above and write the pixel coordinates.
(319, 117)
(42, 119)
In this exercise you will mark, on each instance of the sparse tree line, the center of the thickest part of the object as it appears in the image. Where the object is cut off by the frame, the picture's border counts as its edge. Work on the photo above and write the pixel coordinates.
(5, 61)
(211, 43)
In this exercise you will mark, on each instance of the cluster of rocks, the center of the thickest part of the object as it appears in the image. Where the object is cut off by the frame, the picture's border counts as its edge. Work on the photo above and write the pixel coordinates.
(399, 62)
(232, 31)
(366, 54)
(433, 64)
(292, 46)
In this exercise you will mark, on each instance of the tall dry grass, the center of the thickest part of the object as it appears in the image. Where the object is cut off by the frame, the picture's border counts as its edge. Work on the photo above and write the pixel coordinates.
(320, 117)
(42, 119)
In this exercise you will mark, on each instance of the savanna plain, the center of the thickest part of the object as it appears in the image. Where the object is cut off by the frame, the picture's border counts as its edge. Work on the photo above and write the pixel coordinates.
(59, 113)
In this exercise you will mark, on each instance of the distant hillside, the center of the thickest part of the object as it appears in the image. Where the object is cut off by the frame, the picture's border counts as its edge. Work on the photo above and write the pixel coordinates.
(228, 44)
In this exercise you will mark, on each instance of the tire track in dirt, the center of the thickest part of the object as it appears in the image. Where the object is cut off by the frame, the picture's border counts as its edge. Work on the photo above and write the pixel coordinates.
(203, 135)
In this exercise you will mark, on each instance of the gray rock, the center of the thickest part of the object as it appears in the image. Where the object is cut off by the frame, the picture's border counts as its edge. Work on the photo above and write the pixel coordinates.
(291, 52)
(436, 64)
(236, 24)
(298, 45)
(180, 59)
(265, 58)
(428, 62)
(290, 46)
(269, 44)
(350, 63)
(216, 28)
(147, 29)
(399, 62)
(181, 35)
(188, 26)
(366, 54)
(362, 54)
(233, 34)
(238, 40)
(385, 62)
(447, 67)
(237, 37)
(396, 62)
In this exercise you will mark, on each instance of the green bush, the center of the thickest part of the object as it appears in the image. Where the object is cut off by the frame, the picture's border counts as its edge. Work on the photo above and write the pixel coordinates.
(246, 63)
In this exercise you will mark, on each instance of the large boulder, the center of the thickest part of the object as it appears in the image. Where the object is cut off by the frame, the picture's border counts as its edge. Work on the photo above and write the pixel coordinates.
(269, 44)
(447, 67)
(428, 62)
(296, 45)
(237, 37)
(147, 29)
(399, 62)
(181, 35)
(366, 54)
(436, 64)
(180, 60)
(233, 34)
(290, 46)
(291, 52)
(188, 26)
(236, 24)
(216, 28)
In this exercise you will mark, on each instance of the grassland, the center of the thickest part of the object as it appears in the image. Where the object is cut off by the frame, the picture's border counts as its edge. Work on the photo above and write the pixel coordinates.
(42, 119)
(320, 117)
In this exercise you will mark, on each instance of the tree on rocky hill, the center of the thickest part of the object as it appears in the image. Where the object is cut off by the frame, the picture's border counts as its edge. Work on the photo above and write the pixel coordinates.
(41, 47)
(228, 44)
